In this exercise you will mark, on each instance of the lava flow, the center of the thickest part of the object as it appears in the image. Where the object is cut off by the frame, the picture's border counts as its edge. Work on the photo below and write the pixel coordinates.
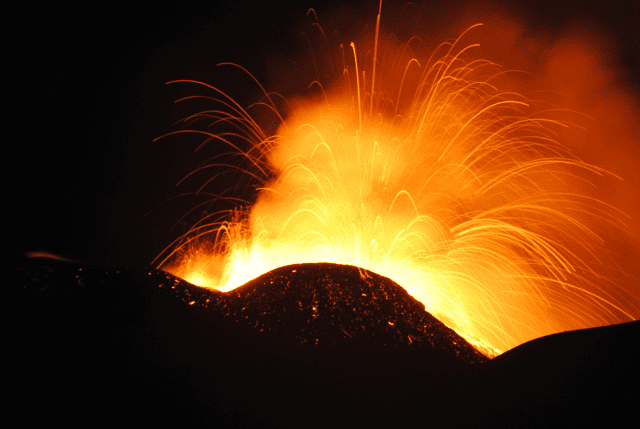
(428, 170)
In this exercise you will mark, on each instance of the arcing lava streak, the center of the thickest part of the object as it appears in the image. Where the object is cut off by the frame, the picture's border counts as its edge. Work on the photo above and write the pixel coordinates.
(424, 170)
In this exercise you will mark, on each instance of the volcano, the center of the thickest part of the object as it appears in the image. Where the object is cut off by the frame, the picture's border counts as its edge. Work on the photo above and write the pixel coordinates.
(302, 345)
(324, 304)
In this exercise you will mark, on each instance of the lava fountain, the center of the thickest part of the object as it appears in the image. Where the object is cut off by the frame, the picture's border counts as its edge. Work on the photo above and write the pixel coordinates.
(423, 169)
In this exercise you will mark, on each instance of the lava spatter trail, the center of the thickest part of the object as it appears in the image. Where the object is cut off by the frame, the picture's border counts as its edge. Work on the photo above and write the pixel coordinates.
(435, 168)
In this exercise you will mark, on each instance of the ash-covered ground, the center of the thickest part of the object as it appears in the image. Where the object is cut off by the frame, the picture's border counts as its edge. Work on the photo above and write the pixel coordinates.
(301, 346)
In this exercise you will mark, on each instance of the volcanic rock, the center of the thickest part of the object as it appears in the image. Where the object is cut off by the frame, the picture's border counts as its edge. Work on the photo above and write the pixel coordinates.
(327, 304)
(287, 350)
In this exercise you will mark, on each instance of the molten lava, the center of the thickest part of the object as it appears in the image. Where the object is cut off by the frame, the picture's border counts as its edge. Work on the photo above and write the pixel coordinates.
(423, 170)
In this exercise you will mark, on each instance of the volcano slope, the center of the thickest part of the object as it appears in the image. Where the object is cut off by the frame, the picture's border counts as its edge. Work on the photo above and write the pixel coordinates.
(303, 345)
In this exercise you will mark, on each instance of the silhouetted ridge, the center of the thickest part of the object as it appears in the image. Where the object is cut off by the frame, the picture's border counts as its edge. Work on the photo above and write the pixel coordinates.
(147, 346)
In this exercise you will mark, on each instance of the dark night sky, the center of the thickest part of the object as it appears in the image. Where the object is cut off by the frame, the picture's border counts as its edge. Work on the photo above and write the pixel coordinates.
(92, 97)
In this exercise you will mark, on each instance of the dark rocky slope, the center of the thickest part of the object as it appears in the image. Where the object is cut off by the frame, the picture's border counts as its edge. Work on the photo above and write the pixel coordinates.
(302, 346)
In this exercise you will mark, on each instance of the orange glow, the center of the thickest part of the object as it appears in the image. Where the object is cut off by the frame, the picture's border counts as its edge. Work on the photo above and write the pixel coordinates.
(430, 170)
(46, 254)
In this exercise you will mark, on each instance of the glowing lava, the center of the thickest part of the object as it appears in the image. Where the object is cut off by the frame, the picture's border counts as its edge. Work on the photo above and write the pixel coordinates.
(424, 171)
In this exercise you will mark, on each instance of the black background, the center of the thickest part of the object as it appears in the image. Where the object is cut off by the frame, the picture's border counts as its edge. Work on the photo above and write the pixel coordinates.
(89, 97)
